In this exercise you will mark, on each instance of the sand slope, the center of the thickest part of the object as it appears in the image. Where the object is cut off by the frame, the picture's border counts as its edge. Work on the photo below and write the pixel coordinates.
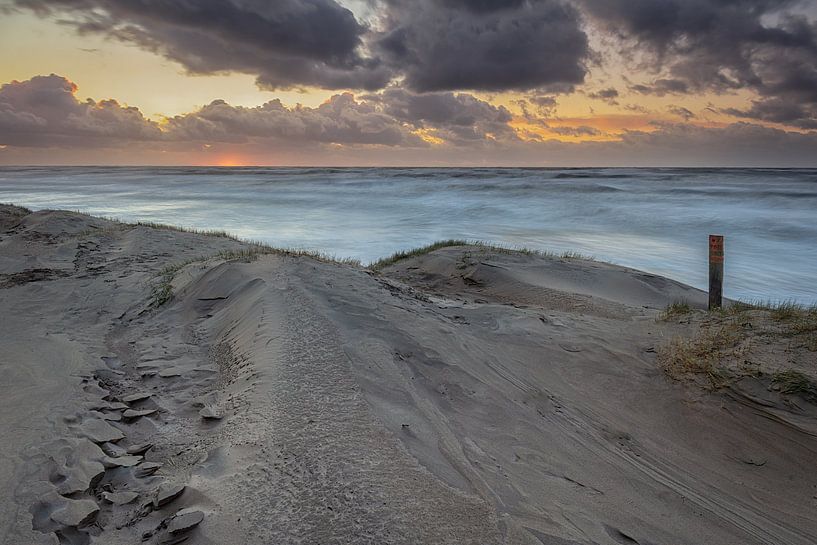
(465, 396)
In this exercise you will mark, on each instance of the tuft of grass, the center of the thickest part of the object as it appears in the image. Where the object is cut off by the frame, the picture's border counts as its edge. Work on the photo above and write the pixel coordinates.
(206, 232)
(779, 310)
(700, 355)
(257, 249)
(734, 342)
(674, 310)
(17, 210)
(571, 254)
(796, 319)
(162, 291)
(794, 382)
(739, 307)
(786, 310)
(406, 254)
(396, 257)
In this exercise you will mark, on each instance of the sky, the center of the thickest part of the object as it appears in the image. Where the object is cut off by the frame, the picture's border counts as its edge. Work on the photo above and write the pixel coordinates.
(409, 82)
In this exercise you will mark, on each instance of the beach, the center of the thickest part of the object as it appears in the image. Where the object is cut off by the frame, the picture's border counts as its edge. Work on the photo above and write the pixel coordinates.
(162, 385)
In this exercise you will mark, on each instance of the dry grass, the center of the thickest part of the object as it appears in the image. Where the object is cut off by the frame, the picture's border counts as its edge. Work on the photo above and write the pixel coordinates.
(775, 340)
(794, 382)
(702, 354)
(795, 320)
(675, 310)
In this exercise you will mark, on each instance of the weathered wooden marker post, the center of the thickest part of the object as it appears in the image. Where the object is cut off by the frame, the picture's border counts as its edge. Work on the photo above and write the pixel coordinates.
(715, 271)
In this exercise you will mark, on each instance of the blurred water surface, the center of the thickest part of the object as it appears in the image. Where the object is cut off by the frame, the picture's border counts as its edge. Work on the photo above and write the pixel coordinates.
(652, 219)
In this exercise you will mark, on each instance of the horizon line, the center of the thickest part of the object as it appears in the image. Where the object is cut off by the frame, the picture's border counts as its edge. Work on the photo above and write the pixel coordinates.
(350, 167)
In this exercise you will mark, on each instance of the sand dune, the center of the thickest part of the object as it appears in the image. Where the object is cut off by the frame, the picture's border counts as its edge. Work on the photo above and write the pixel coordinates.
(466, 396)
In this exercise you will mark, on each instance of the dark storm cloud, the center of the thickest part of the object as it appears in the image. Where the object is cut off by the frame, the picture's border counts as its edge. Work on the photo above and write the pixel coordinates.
(433, 44)
(44, 111)
(482, 45)
(779, 111)
(766, 46)
(454, 117)
(285, 43)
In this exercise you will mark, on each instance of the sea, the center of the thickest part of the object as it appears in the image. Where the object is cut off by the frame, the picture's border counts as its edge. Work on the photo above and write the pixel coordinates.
(654, 219)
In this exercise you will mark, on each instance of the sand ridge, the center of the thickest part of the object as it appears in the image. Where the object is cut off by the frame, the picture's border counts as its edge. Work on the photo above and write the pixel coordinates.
(463, 396)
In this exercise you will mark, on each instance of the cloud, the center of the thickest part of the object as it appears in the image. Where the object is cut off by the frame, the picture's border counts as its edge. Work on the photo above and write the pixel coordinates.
(680, 111)
(433, 45)
(778, 111)
(457, 118)
(340, 120)
(607, 95)
(662, 87)
(284, 43)
(394, 117)
(483, 45)
(545, 105)
(582, 130)
(739, 144)
(44, 111)
(43, 121)
(766, 46)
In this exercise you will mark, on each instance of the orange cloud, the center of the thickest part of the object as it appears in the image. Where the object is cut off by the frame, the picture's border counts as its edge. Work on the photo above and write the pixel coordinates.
(598, 128)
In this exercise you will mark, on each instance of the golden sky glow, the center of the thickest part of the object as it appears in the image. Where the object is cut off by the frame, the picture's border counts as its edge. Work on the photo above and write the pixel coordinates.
(106, 68)
(604, 109)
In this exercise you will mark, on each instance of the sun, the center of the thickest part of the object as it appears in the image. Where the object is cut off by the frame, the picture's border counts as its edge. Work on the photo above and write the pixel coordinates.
(230, 161)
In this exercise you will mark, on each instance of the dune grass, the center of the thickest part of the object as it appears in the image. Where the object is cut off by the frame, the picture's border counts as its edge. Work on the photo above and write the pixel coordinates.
(747, 338)
(20, 210)
(396, 257)
(674, 310)
(794, 318)
(162, 290)
(205, 232)
(257, 249)
(701, 354)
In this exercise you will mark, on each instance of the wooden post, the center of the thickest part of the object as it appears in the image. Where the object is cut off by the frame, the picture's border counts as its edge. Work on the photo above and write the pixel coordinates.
(715, 271)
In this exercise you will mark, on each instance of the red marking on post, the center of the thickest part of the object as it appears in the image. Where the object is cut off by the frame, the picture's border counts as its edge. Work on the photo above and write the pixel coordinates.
(715, 249)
